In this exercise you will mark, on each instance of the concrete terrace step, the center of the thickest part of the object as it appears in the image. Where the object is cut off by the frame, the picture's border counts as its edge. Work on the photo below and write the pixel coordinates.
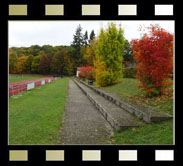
(116, 116)
(147, 113)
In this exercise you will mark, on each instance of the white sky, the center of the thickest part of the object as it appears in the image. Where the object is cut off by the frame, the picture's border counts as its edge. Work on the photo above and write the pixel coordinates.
(27, 33)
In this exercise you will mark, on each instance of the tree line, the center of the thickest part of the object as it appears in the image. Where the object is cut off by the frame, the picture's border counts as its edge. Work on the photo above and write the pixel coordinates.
(64, 60)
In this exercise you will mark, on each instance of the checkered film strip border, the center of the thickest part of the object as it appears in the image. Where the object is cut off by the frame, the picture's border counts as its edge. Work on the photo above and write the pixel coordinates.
(91, 10)
(91, 155)
(61, 154)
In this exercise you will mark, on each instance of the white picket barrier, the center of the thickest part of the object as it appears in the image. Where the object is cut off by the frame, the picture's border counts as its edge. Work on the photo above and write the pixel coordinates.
(30, 85)
(42, 82)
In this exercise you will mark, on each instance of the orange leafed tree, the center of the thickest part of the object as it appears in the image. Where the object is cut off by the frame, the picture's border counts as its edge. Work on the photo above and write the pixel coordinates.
(154, 55)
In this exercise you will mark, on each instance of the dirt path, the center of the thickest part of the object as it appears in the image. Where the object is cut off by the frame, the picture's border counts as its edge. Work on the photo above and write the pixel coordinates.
(82, 123)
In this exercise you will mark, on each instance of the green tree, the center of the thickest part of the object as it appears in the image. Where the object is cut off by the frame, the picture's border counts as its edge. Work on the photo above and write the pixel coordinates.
(28, 64)
(35, 64)
(34, 50)
(78, 38)
(48, 49)
(77, 43)
(59, 62)
(20, 51)
(109, 55)
(128, 53)
(92, 36)
(85, 39)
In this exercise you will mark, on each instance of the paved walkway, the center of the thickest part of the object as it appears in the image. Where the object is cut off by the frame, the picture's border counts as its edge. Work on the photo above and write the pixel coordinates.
(82, 123)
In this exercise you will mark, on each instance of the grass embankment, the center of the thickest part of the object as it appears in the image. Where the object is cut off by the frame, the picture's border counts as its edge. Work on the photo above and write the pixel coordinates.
(24, 77)
(155, 133)
(35, 116)
(127, 88)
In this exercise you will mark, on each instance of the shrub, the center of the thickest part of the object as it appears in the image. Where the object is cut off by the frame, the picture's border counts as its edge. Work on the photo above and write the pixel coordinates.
(81, 74)
(104, 79)
(154, 53)
(129, 72)
(90, 75)
(87, 72)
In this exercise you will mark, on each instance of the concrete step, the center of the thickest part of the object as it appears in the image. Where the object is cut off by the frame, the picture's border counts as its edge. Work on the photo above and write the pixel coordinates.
(116, 116)
(147, 113)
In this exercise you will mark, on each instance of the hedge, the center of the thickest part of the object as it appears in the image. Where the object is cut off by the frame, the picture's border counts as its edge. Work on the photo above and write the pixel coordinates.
(129, 72)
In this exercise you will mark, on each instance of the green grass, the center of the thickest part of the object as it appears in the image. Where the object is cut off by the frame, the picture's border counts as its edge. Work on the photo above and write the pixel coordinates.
(127, 88)
(22, 78)
(35, 116)
(155, 133)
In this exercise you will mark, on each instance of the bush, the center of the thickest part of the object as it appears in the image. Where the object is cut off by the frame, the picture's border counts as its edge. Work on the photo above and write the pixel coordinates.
(90, 75)
(87, 72)
(81, 74)
(129, 72)
(104, 78)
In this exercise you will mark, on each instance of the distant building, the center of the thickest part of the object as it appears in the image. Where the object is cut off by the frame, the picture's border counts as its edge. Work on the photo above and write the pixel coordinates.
(77, 72)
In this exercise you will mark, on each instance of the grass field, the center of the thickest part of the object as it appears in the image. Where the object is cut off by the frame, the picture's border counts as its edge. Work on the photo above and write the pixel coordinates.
(22, 78)
(155, 133)
(35, 116)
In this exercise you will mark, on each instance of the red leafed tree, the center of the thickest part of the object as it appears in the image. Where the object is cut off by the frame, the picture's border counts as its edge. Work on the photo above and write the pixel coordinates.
(154, 55)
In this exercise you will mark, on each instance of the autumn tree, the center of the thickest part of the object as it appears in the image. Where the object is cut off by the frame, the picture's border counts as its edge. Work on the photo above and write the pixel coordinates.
(61, 63)
(13, 59)
(109, 55)
(21, 65)
(68, 67)
(89, 55)
(44, 64)
(154, 53)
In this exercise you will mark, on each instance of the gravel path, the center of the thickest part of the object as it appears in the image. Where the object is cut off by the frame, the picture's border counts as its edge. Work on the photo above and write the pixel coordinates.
(82, 123)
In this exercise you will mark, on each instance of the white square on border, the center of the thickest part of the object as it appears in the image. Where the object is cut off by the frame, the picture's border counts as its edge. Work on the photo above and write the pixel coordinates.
(17, 10)
(127, 155)
(88, 10)
(127, 10)
(18, 155)
(54, 155)
(163, 10)
(91, 155)
(164, 155)
(55, 10)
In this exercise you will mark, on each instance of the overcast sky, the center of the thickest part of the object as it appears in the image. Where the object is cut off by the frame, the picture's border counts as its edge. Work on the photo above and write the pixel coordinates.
(27, 33)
